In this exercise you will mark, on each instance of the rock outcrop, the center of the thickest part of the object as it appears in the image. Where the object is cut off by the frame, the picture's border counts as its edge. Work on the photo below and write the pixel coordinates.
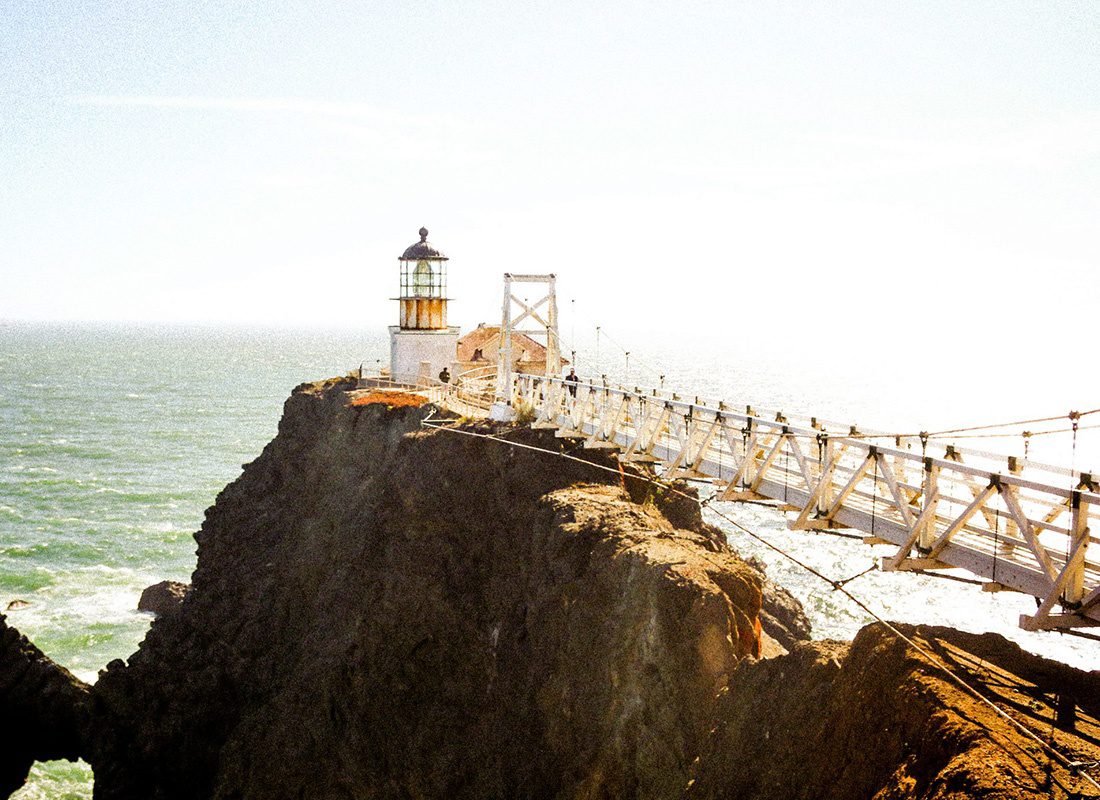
(43, 709)
(163, 598)
(385, 610)
(875, 718)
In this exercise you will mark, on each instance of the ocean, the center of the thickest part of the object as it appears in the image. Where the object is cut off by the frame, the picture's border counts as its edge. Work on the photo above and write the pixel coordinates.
(114, 439)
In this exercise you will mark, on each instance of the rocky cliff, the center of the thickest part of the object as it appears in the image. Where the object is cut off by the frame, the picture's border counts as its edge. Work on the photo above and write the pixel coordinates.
(876, 718)
(43, 709)
(381, 609)
(385, 610)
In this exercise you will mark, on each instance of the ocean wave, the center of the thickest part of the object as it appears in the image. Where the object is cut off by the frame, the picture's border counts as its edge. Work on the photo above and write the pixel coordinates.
(101, 570)
(50, 780)
(82, 623)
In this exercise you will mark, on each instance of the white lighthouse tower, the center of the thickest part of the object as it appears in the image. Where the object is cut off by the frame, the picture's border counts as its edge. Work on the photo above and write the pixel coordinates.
(422, 344)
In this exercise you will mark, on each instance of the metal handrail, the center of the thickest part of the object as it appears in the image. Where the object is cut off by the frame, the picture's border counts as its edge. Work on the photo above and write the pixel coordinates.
(943, 506)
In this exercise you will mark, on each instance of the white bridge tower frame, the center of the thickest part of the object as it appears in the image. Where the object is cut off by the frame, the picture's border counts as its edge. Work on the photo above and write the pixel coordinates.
(543, 311)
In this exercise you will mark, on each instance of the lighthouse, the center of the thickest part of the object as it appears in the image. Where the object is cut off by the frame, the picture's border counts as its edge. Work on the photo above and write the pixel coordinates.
(422, 343)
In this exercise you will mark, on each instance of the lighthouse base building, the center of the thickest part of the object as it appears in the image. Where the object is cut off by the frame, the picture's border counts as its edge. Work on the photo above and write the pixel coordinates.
(418, 356)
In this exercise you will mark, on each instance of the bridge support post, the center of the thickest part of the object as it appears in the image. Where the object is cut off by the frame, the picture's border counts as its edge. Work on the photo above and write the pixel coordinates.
(927, 534)
(1079, 541)
(501, 409)
(824, 499)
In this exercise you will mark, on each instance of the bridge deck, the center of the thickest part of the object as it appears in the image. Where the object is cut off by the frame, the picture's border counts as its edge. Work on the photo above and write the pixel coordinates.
(1021, 525)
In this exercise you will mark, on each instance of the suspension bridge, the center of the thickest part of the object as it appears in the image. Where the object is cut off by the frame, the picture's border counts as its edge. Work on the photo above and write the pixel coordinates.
(1012, 523)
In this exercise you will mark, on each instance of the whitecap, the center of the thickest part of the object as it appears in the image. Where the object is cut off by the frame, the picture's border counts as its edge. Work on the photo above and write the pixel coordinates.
(104, 569)
(89, 676)
(75, 606)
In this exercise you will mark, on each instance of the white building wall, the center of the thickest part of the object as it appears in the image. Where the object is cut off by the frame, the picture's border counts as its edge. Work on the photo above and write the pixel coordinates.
(409, 348)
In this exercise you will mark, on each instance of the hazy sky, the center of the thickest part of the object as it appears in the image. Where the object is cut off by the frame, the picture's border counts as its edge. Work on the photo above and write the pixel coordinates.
(902, 176)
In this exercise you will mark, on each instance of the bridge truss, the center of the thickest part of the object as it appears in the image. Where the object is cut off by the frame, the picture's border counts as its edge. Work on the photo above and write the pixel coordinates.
(1020, 525)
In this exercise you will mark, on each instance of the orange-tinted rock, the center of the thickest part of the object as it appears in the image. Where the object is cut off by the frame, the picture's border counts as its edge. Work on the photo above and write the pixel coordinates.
(163, 598)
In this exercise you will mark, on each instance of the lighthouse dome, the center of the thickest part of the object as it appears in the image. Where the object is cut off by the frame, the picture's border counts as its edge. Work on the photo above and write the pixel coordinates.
(422, 250)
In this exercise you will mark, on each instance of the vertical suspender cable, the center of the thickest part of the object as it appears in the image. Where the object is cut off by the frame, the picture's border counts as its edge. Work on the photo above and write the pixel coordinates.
(996, 541)
(786, 461)
(573, 330)
(597, 349)
(874, 488)
(1075, 482)
(745, 461)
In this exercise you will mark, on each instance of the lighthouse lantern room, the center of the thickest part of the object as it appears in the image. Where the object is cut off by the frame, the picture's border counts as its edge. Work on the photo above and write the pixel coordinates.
(422, 344)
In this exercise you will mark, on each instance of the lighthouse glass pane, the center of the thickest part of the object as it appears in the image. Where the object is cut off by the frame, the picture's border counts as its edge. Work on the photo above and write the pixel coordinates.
(422, 279)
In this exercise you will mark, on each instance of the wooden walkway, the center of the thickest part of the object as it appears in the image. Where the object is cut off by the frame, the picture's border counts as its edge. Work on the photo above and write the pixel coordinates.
(1019, 525)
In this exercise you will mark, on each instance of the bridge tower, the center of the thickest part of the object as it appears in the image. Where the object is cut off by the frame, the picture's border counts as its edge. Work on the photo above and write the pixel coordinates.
(422, 343)
(544, 314)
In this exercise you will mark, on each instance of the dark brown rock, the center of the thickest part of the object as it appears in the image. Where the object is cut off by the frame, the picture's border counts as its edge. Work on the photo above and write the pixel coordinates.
(385, 610)
(163, 598)
(43, 709)
(876, 718)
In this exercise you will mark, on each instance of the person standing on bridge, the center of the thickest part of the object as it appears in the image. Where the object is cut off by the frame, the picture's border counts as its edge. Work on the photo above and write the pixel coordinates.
(445, 376)
(572, 380)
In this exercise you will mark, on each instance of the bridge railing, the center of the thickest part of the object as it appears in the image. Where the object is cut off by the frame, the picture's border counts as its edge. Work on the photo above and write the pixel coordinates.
(434, 391)
(1022, 525)
(476, 387)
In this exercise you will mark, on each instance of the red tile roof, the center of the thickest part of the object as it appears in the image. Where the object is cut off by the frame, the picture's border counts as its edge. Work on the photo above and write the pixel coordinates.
(486, 338)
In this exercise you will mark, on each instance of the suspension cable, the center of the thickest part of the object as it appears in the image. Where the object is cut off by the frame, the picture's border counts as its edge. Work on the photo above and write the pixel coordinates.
(1028, 433)
(970, 432)
(1071, 415)
(972, 429)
